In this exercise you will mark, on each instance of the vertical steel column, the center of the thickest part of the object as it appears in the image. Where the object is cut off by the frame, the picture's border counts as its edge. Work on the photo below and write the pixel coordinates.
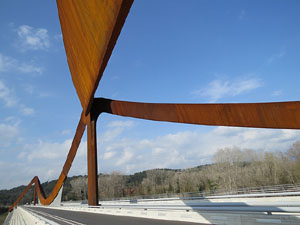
(92, 160)
(34, 196)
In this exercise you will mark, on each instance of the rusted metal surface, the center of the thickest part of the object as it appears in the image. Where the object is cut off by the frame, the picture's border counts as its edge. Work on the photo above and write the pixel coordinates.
(34, 196)
(22, 194)
(283, 115)
(68, 163)
(90, 30)
(92, 160)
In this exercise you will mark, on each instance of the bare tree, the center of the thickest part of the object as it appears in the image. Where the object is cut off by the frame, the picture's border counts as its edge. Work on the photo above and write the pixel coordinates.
(79, 186)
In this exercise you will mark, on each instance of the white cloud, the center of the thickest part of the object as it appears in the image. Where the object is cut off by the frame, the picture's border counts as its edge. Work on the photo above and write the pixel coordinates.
(21, 173)
(242, 14)
(28, 68)
(44, 159)
(30, 38)
(28, 88)
(9, 64)
(15, 175)
(275, 57)
(66, 132)
(32, 90)
(175, 150)
(254, 138)
(119, 123)
(218, 89)
(108, 155)
(45, 94)
(27, 111)
(6, 63)
(8, 132)
(9, 98)
(126, 156)
(7, 95)
(46, 150)
(58, 37)
(186, 149)
(277, 93)
(116, 128)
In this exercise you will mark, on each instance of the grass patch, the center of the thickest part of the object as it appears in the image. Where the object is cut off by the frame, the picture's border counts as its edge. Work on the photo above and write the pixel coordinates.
(3, 214)
(3, 217)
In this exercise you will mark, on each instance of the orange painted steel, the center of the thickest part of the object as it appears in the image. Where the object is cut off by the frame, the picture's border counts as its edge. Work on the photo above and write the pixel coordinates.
(90, 30)
(68, 163)
(282, 115)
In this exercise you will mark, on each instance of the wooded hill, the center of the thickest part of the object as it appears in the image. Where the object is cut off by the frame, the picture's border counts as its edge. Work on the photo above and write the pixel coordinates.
(232, 168)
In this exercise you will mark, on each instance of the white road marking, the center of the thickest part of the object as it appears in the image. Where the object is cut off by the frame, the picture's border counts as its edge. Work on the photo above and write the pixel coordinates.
(71, 222)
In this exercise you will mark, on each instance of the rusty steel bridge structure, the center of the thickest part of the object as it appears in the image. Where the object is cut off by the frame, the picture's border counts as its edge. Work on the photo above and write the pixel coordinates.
(90, 30)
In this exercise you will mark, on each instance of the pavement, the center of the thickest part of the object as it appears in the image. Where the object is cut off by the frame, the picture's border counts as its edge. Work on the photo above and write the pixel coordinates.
(65, 217)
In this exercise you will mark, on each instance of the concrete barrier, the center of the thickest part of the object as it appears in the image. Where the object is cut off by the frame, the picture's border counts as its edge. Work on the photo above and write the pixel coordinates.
(230, 218)
(233, 211)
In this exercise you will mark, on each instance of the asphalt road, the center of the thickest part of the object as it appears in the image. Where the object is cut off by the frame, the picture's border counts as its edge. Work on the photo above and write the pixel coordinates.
(80, 218)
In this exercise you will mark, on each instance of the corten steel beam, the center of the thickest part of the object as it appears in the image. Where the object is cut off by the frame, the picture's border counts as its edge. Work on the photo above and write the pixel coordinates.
(64, 172)
(90, 31)
(260, 115)
(282, 115)
(34, 196)
(92, 160)
(22, 194)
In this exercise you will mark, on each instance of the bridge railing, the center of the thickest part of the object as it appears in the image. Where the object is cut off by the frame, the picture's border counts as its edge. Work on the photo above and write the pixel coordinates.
(283, 188)
(98, 32)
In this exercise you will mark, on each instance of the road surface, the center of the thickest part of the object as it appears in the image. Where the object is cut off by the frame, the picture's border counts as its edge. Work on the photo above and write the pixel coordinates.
(65, 217)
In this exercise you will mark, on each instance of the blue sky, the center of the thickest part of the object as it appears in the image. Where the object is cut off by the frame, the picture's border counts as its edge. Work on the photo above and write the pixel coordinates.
(168, 51)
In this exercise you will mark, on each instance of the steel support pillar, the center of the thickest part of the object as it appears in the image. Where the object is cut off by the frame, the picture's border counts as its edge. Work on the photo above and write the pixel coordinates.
(92, 160)
(34, 196)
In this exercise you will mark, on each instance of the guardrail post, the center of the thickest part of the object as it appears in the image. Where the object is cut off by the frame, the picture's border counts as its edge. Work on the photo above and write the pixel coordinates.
(92, 160)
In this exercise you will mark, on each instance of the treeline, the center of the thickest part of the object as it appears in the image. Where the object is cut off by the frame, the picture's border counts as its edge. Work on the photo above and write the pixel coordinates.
(232, 168)
(8, 197)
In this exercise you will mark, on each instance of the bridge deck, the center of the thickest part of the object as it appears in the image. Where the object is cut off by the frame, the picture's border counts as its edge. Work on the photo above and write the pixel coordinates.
(71, 217)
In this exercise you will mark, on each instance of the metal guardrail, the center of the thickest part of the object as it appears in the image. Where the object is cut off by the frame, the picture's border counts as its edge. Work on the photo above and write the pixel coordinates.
(245, 200)
(132, 201)
(201, 202)
(214, 208)
(252, 191)
(254, 204)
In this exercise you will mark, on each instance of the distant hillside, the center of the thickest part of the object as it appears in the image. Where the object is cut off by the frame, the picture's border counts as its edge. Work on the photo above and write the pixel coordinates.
(7, 197)
(232, 168)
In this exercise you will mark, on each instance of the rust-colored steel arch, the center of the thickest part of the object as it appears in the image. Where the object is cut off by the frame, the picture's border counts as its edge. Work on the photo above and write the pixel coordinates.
(281, 115)
(68, 163)
(90, 30)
